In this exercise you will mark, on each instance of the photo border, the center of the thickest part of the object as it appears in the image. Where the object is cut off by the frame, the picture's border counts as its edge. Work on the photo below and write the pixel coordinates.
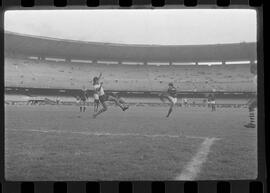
(258, 185)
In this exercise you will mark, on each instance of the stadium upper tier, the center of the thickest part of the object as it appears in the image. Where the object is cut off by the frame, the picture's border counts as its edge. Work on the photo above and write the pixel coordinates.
(68, 49)
(21, 72)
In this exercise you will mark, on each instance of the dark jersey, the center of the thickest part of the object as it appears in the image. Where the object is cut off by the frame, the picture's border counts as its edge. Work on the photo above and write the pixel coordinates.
(83, 95)
(172, 91)
(211, 97)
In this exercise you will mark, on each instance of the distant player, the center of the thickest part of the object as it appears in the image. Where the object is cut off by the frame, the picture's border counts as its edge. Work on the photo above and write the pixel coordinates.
(57, 100)
(103, 97)
(83, 97)
(212, 102)
(185, 102)
(252, 106)
(170, 95)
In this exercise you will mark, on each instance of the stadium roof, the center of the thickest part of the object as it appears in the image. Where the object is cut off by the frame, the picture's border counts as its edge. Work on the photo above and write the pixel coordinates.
(80, 50)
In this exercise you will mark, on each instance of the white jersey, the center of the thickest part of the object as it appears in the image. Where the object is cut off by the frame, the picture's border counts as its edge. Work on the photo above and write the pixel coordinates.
(99, 90)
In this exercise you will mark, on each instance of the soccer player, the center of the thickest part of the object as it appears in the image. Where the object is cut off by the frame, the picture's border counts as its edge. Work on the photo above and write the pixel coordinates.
(103, 97)
(83, 97)
(57, 100)
(252, 106)
(212, 102)
(96, 101)
(185, 102)
(171, 96)
(96, 92)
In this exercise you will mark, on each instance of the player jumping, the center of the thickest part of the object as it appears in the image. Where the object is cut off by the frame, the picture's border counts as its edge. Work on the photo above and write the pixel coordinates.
(96, 100)
(171, 96)
(103, 97)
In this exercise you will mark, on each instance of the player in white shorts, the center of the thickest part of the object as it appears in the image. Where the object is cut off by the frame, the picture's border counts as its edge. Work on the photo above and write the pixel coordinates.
(171, 96)
(96, 100)
(103, 97)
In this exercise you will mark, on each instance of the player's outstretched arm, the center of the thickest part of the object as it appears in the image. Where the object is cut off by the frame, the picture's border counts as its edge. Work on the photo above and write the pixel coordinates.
(100, 75)
(100, 86)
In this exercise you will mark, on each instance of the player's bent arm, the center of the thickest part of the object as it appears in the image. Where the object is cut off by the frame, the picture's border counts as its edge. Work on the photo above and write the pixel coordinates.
(100, 86)
(99, 77)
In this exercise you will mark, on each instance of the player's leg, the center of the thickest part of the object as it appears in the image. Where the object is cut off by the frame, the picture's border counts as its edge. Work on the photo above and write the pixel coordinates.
(84, 106)
(122, 101)
(121, 104)
(170, 110)
(96, 103)
(212, 106)
(251, 123)
(81, 108)
(95, 106)
(104, 108)
(163, 97)
(251, 110)
(172, 103)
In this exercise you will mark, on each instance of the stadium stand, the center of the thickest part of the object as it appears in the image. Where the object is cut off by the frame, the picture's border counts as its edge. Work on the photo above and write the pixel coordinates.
(22, 72)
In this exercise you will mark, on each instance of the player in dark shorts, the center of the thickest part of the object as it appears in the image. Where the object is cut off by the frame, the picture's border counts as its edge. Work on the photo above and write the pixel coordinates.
(96, 100)
(212, 102)
(103, 97)
(83, 97)
(171, 96)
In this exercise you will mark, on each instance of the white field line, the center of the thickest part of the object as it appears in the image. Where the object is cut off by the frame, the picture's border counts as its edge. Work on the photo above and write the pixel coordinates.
(105, 134)
(193, 168)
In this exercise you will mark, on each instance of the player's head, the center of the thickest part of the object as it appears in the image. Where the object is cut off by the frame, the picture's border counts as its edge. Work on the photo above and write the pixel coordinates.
(170, 84)
(95, 80)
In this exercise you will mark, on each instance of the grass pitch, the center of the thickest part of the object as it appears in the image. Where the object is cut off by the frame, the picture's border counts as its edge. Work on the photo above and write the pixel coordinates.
(59, 143)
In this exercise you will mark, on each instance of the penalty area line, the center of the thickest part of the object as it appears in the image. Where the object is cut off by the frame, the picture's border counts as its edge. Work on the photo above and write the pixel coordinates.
(106, 134)
(193, 167)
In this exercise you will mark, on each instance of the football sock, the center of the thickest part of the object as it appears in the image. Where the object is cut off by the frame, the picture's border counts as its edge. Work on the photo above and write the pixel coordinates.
(252, 117)
(170, 110)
